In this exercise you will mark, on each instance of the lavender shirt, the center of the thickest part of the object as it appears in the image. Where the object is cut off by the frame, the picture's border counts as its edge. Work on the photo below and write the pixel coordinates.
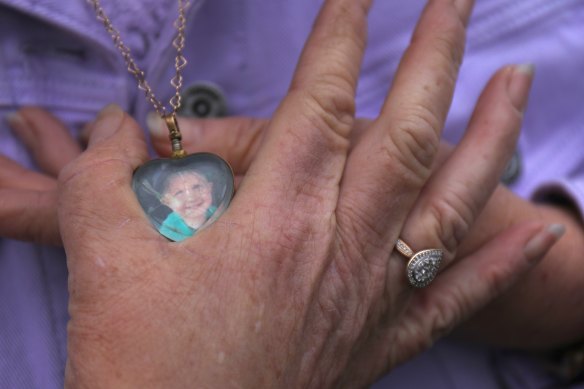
(53, 53)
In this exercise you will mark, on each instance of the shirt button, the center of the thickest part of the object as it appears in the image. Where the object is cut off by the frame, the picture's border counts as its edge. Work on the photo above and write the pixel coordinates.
(203, 100)
(512, 170)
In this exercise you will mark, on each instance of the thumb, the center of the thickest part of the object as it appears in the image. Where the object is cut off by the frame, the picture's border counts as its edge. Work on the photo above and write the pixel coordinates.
(96, 188)
(235, 139)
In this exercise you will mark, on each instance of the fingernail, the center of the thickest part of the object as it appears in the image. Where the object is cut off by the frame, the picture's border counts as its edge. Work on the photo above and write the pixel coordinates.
(539, 245)
(156, 125)
(520, 84)
(107, 123)
(20, 126)
(16, 121)
(109, 110)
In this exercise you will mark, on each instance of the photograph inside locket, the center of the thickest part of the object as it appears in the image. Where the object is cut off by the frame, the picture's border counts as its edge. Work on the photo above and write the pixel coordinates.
(181, 202)
(190, 197)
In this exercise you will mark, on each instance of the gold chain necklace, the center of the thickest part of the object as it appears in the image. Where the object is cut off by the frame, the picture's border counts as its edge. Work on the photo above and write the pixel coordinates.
(185, 193)
(179, 63)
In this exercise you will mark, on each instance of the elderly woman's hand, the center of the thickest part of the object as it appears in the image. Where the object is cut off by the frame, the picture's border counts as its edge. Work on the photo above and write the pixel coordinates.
(298, 283)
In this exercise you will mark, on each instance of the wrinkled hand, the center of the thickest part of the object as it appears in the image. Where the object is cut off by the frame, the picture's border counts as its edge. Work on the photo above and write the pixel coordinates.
(297, 284)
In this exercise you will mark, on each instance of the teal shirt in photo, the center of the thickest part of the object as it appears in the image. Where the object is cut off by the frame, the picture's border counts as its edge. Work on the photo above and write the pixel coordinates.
(175, 228)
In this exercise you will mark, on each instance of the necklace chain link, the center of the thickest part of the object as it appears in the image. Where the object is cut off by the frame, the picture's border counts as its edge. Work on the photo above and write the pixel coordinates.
(179, 62)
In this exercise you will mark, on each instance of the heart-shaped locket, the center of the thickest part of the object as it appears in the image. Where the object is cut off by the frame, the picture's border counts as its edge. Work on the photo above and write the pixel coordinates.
(183, 195)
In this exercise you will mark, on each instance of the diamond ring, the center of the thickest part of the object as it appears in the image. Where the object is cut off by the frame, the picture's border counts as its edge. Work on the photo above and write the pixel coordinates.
(422, 266)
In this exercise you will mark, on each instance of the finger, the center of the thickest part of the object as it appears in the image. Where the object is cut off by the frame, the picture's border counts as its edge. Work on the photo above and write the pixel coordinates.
(29, 215)
(15, 176)
(455, 195)
(235, 139)
(455, 294)
(46, 137)
(391, 163)
(473, 282)
(99, 182)
(304, 149)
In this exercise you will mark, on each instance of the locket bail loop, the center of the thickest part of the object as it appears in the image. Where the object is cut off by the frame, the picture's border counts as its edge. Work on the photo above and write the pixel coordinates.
(175, 136)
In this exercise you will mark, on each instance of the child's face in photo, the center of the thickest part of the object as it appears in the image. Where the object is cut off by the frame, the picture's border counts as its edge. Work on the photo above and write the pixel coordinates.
(189, 195)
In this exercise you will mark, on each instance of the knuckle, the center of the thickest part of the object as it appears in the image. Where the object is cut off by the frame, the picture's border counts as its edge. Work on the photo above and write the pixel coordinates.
(452, 217)
(437, 317)
(414, 339)
(448, 32)
(450, 58)
(496, 278)
(446, 312)
(443, 318)
(342, 24)
(348, 16)
(330, 105)
(449, 38)
(446, 43)
(413, 142)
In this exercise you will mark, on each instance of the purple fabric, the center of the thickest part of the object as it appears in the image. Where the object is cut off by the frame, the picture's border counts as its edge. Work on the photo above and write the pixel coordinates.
(53, 53)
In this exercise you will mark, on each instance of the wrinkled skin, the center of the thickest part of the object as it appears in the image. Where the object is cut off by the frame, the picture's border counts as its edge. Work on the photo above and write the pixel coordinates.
(297, 284)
